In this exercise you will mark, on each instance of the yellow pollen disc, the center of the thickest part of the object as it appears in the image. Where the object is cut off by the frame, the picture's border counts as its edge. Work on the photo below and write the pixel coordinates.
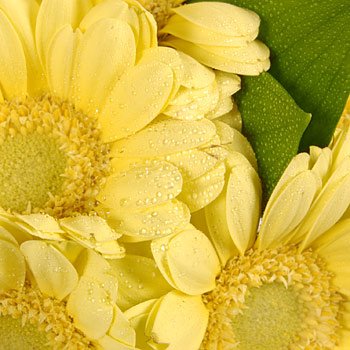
(29, 320)
(160, 9)
(52, 158)
(274, 299)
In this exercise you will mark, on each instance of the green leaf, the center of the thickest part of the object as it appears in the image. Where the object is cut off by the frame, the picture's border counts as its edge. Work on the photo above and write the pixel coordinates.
(273, 123)
(310, 56)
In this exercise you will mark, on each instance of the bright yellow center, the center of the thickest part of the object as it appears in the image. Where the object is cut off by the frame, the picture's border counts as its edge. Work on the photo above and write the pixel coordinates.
(52, 158)
(273, 314)
(276, 299)
(32, 167)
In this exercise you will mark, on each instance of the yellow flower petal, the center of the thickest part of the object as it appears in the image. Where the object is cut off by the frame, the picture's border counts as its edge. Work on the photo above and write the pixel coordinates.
(5, 235)
(221, 18)
(90, 308)
(139, 280)
(52, 15)
(210, 57)
(109, 343)
(225, 132)
(228, 83)
(165, 136)
(184, 29)
(139, 95)
(13, 71)
(141, 187)
(240, 144)
(333, 246)
(328, 207)
(196, 76)
(71, 250)
(224, 105)
(243, 206)
(60, 61)
(341, 147)
(232, 118)
(180, 321)
(154, 222)
(41, 225)
(89, 227)
(321, 158)
(188, 259)
(23, 15)
(105, 52)
(110, 249)
(121, 329)
(201, 191)
(288, 209)
(12, 267)
(53, 272)
(147, 32)
(1, 97)
(10, 224)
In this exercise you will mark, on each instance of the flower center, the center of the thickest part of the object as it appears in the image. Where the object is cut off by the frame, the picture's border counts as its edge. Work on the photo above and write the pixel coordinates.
(52, 158)
(273, 299)
(32, 168)
(29, 320)
(273, 314)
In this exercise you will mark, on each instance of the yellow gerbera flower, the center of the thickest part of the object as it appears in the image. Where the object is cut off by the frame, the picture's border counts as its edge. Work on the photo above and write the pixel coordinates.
(97, 118)
(104, 135)
(284, 286)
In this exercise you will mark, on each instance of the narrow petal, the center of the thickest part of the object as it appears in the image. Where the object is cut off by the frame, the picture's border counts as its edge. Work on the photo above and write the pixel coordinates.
(90, 308)
(147, 32)
(188, 260)
(201, 191)
(13, 71)
(322, 162)
(141, 187)
(232, 118)
(165, 136)
(5, 235)
(224, 105)
(154, 222)
(23, 15)
(12, 267)
(186, 30)
(139, 95)
(139, 280)
(89, 227)
(225, 132)
(243, 206)
(121, 329)
(10, 224)
(53, 272)
(228, 83)
(221, 18)
(333, 246)
(60, 61)
(105, 52)
(341, 148)
(288, 209)
(180, 321)
(109, 343)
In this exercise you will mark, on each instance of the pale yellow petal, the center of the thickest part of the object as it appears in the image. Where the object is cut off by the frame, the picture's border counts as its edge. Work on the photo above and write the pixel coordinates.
(90, 308)
(167, 56)
(222, 18)
(232, 118)
(141, 187)
(12, 267)
(240, 144)
(184, 29)
(147, 32)
(243, 205)
(193, 262)
(201, 191)
(105, 52)
(180, 321)
(195, 74)
(71, 250)
(228, 83)
(341, 148)
(224, 106)
(139, 280)
(52, 271)
(288, 209)
(121, 330)
(211, 58)
(52, 15)
(5, 235)
(10, 224)
(13, 71)
(23, 15)
(344, 342)
(154, 222)
(89, 227)
(110, 249)
(321, 158)
(165, 136)
(139, 95)
(1, 97)
(60, 62)
(225, 132)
